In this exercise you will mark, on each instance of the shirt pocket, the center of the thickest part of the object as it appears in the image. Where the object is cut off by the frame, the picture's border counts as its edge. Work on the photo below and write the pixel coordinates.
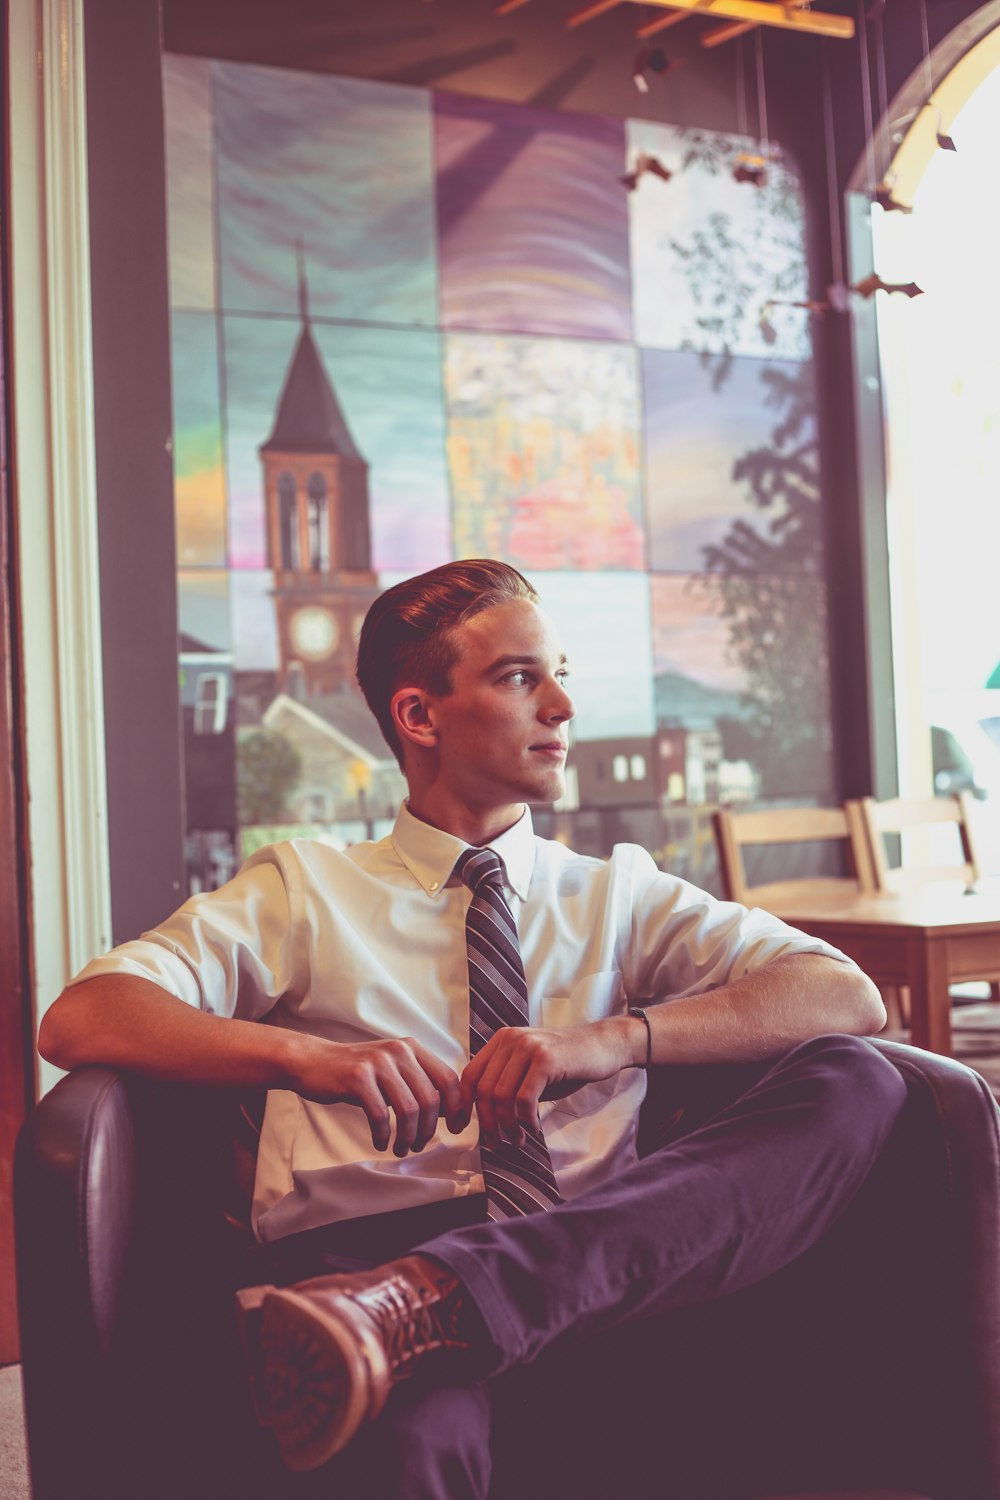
(593, 998)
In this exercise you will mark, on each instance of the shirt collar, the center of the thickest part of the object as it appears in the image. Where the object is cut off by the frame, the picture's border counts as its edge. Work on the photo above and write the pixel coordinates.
(430, 854)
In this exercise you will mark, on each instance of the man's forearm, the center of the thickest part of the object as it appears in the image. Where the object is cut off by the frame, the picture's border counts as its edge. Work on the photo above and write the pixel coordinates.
(132, 1023)
(763, 1014)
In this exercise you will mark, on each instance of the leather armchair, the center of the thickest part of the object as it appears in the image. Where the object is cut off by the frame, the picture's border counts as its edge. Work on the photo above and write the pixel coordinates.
(866, 1370)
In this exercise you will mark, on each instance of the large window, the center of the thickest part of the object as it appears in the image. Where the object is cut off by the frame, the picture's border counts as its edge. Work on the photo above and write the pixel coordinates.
(941, 370)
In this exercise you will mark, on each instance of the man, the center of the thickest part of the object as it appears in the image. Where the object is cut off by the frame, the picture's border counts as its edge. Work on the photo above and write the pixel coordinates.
(486, 1004)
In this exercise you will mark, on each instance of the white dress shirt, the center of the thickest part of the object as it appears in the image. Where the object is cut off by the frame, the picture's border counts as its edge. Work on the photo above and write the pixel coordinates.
(370, 942)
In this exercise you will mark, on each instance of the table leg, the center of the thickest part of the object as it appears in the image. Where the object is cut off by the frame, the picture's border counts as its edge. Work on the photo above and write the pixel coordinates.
(930, 1000)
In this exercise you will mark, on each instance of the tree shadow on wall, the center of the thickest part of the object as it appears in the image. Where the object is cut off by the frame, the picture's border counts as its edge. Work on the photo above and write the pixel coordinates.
(766, 580)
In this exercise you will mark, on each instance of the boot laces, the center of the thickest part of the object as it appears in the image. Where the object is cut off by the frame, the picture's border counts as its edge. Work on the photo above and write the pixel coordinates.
(408, 1322)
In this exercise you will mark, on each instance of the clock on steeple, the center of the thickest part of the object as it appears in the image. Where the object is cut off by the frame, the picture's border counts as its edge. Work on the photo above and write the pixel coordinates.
(318, 532)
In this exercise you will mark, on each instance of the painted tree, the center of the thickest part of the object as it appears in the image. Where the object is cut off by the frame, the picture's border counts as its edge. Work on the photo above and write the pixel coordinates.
(268, 767)
(766, 577)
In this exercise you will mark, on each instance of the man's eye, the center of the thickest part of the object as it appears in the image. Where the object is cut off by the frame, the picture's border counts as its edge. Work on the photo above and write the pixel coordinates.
(517, 678)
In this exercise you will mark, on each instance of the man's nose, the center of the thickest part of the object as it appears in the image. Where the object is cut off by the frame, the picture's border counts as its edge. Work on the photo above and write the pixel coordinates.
(560, 706)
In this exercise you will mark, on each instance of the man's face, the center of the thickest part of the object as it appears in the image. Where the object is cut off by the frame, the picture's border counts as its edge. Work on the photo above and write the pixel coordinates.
(502, 730)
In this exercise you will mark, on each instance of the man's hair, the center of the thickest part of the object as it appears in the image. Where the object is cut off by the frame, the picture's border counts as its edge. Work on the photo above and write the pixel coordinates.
(408, 634)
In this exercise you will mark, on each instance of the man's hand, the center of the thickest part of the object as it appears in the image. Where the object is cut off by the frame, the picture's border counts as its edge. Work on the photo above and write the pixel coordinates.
(392, 1078)
(522, 1064)
(127, 1022)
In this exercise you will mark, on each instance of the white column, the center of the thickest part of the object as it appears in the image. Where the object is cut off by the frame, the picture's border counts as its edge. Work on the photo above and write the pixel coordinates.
(55, 496)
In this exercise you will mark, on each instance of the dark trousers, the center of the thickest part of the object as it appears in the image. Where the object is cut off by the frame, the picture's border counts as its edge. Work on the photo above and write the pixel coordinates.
(733, 1187)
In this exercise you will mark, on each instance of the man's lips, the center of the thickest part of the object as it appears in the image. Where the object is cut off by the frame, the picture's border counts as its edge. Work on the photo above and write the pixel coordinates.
(555, 748)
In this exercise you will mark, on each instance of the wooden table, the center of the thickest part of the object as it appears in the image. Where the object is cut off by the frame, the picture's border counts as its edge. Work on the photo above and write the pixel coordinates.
(926, 939)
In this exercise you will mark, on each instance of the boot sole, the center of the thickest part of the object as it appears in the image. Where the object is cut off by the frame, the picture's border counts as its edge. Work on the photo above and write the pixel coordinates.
(312, 1385)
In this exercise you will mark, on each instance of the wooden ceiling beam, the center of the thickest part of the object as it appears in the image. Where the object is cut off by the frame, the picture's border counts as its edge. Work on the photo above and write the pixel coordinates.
(596, 9)
(661, 23)
(726, 33)
(760, 13)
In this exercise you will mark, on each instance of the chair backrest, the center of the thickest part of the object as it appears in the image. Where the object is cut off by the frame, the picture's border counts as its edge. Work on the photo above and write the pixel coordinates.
(735, 831)
(932, 815)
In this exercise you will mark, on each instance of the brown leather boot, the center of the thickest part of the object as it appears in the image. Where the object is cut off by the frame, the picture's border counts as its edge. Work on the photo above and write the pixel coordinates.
(325, 1353)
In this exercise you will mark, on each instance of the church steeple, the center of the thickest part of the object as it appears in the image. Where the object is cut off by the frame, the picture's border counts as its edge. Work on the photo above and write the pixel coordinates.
(319, 539)
(309, 418)
(300, 255)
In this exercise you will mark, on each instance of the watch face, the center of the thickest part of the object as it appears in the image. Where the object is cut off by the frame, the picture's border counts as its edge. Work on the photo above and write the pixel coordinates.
(314, 632)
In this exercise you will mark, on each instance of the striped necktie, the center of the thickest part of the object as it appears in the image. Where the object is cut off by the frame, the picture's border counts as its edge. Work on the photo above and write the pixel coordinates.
(519, 1179)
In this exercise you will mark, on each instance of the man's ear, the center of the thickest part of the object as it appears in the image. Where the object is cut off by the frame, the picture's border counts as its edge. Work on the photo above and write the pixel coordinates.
(412, 716)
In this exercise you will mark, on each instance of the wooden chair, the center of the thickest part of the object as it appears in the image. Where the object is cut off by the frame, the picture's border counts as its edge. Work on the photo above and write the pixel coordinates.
(902, 817)
(898, 816)
(735, 831)
(800, 825)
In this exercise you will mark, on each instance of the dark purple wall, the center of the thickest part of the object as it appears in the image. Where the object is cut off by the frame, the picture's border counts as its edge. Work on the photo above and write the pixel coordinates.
(128, 247)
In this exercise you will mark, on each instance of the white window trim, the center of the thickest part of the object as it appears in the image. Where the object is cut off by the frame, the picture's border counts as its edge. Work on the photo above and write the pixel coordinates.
(55, 495)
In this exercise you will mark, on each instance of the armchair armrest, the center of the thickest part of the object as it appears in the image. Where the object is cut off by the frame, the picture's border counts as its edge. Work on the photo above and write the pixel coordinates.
(75, 1193)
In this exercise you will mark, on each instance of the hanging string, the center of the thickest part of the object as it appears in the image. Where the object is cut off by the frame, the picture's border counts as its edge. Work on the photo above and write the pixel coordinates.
(761, 95)
(928, 69)
(832, 184)
(741, 89)
(883, 90)
(866, 96)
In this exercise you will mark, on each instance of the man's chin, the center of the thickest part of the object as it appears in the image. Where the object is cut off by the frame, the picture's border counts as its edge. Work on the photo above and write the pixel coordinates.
(545, 792)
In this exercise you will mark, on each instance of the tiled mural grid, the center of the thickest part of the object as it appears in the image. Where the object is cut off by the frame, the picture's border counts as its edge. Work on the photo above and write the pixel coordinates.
(610, 389)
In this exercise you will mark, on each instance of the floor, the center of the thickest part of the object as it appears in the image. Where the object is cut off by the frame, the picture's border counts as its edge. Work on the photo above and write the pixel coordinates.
(13, 1460)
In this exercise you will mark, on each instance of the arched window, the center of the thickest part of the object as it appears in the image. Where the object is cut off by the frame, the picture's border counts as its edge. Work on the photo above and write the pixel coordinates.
(319, 525)
(288, 521)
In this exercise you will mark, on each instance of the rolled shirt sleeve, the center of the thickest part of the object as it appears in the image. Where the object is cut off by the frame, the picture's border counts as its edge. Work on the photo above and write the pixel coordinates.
(685, 942)
(231, 952)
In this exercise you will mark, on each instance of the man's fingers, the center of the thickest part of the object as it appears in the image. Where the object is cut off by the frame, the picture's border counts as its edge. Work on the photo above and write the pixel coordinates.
(372, 1101)
(530, 1092)
(423, 1086)
(448, 1087)
(507, 1086)
(404, 1106)
(428, 1101)
(471, 1074)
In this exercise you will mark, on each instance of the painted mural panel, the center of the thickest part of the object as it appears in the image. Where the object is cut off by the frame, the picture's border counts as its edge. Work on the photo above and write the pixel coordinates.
(254, 623)
(544, 449)
(387, 385)
(740, 663)
(715, 261)
(199, 472)
(731, 464)
(187, 104)
(572, 400)
(532, 220)
(340, 167)
(604, 625)
(203, 608)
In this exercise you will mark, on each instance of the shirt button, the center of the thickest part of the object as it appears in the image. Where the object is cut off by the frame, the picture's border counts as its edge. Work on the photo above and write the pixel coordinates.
(433, 885)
